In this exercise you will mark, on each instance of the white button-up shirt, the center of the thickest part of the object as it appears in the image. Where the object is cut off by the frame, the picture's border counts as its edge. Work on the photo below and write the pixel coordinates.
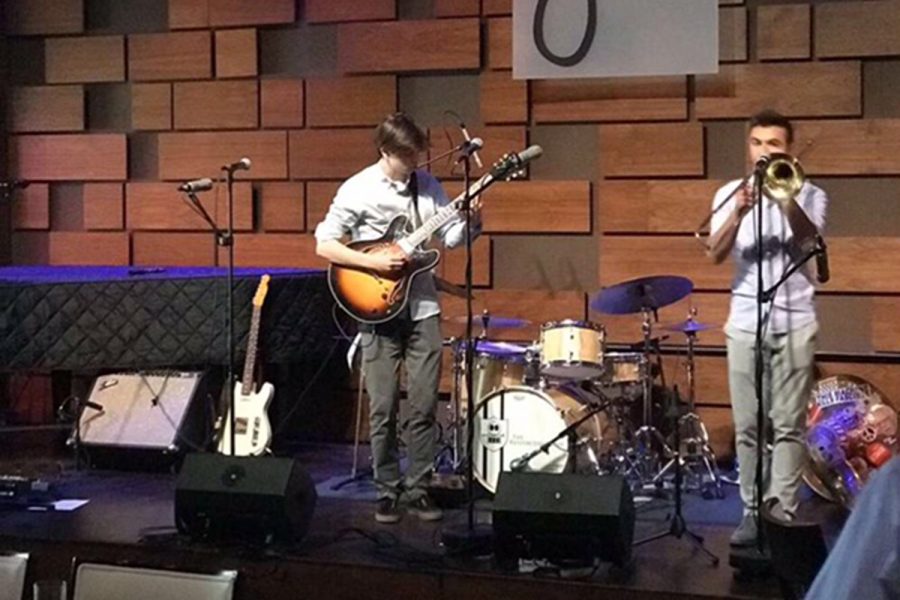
(366, 204)
(794, 305)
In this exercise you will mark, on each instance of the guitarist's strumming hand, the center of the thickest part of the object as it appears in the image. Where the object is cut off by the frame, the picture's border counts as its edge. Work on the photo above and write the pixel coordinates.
(388, 259)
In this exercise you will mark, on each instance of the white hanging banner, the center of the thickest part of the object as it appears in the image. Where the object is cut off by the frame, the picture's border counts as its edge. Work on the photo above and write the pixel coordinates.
(606, 38)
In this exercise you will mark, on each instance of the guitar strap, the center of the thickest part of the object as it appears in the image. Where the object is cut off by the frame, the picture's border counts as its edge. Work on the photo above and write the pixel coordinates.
(415, 218)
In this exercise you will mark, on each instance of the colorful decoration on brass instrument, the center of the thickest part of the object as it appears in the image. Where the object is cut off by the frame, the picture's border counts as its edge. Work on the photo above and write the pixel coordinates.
(851, 432)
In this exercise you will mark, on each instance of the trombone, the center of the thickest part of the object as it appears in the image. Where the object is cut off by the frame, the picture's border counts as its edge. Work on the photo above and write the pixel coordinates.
(782, 177)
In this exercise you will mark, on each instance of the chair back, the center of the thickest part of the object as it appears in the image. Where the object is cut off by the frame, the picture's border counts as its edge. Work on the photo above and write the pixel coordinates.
(95, 581)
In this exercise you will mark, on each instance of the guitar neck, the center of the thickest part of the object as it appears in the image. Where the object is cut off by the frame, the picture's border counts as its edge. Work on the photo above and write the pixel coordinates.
(252, 345)
(446, 214)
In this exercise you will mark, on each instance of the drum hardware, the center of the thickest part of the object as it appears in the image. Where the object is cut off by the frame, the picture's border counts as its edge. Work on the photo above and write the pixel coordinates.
(491, 322)
(572, 350)
(694, 443)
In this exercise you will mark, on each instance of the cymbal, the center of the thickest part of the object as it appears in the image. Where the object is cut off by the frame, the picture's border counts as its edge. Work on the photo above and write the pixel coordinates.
(648, 293)
(688, 326)
(493, 322)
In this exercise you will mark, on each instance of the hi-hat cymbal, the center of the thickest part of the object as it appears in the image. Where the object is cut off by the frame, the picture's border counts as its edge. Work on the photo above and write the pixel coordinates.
(645, 293)
(688, 326)
(493, 322)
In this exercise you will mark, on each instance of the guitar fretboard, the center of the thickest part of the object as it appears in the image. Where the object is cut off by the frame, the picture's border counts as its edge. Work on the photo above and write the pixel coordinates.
(446, 214)
(250, 361)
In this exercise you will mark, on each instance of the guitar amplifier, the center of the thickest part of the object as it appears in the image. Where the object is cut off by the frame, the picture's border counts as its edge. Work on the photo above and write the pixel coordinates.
(158, 410)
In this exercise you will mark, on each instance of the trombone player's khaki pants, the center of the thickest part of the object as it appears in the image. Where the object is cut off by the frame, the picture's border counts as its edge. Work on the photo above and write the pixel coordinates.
(788, 360)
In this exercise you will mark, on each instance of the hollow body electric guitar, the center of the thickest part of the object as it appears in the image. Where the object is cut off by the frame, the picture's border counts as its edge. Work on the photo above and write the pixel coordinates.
(252, 430)
(377, 297)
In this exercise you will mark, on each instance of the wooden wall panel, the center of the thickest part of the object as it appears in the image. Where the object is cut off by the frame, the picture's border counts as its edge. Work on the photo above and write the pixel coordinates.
(30, 247)
(319, 195)
(350, 101)
(330, 153)
(283, 206)
(794, 89)
(343, 11)
(850, 147)
(166, 56)
(190, 155)
(535, 306)
(457, 8)
(885, 325)
(712, 308)
(231, 13)
(498, 140)
(783, 32)
(188, 14)
(453, 263)
(173, 249)
(72, 157)
(277, 250)
(503, 99)
(884, 376)
(31, 207)
(499, 46)
(103, 206)
(733, 34)
(496, 7)
(160, 206)
(44, 17)
(282, 102)
(623, 258)
(89, 248)
(852, 267)
(46, 108)
(670, 206)
(151, 106)
(610, 99)
(538, 207)
(844, 29)
(236, 53)
(84, 59)
(216, 104)
(446, 44)
(674, 149)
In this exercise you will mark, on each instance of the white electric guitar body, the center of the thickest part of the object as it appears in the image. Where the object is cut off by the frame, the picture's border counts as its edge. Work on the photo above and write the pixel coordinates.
(252, 430)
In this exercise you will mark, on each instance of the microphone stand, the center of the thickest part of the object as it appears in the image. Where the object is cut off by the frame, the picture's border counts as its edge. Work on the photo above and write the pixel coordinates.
(470, 540)
(758, 356)
(225, 238)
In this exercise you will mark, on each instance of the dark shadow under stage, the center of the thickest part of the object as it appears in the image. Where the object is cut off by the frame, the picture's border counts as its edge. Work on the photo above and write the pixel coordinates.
(129, 518)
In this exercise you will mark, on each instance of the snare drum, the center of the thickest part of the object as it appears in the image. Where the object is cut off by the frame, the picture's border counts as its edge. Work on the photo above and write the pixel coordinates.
(511, 422)
(497, 364)
(572, 350)
(624, 367)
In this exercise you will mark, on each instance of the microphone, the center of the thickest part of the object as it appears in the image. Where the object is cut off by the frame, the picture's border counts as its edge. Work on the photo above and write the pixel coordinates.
(241, 165)
(15, 184)
(470, 139)
(762, 163)
(530, 153)
(823, 274)
(197, 185)
(471, 148)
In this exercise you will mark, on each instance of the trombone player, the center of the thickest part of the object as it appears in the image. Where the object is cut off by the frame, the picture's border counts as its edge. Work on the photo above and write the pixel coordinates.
(793, 218)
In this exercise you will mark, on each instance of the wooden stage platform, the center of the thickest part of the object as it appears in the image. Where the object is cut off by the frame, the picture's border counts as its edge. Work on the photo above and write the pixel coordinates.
(129, 518)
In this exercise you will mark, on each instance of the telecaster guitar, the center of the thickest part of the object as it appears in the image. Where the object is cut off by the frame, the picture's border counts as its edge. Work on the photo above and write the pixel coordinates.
(252, 430)
(375, 297)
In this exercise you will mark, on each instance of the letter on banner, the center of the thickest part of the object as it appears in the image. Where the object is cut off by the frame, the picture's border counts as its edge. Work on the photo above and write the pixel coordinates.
(614, 38)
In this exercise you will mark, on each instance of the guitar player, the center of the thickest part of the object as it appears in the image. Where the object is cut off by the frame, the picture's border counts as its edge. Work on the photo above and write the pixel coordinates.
(362, 209)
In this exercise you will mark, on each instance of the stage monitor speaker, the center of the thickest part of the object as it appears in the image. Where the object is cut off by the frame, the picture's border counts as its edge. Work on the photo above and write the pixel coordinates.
(144, 411)
(562, 517)
(249, 498)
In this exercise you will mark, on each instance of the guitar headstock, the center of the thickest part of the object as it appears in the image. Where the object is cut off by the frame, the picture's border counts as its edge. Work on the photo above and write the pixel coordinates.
(261, 291)
(512, 164)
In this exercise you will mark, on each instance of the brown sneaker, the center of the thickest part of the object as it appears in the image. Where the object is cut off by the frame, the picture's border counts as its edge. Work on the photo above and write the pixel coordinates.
(425, 508)
(388, 510)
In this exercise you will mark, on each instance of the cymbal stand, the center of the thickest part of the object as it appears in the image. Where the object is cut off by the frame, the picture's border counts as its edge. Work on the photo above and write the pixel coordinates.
(648, 459)
(694, 438)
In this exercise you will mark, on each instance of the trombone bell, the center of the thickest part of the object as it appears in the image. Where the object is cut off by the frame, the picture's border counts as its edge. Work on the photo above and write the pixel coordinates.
(783, 178)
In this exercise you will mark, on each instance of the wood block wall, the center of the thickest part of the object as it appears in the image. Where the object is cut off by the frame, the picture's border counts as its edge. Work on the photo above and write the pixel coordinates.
(631, 164)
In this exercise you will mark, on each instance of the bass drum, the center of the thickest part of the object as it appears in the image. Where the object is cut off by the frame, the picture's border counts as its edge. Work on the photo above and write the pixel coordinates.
(513, 421)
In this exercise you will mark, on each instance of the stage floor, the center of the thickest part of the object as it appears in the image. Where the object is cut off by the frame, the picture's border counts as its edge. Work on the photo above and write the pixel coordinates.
(346, 554)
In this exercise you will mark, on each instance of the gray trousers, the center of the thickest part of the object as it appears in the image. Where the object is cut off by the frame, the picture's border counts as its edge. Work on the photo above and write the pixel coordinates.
(418, 344)
(787, 382)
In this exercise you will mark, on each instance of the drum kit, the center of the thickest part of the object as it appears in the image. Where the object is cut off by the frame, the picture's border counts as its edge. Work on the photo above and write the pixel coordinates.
(568, 403)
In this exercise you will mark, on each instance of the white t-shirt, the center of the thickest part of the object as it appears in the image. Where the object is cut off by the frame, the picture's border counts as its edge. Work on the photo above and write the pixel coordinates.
(366, 204)
(794, 305)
